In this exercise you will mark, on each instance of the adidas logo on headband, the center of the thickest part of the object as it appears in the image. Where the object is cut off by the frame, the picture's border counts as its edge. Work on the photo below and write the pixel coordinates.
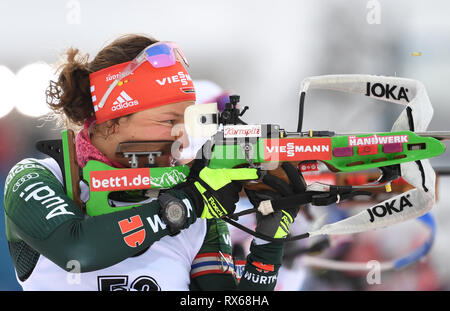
(124, 101)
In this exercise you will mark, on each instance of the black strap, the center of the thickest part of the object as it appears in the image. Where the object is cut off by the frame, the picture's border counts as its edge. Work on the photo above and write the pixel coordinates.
(315, 198)
(300, 112)
(419, 164)
(263, 236)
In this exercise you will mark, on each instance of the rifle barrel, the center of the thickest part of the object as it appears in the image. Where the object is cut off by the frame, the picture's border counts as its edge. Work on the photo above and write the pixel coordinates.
(439, 135)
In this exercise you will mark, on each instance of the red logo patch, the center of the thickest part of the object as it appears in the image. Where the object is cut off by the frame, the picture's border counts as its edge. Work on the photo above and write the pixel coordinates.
(297, 149)
(309, 167)
(119, 180)
(262, 267)
(127, 225)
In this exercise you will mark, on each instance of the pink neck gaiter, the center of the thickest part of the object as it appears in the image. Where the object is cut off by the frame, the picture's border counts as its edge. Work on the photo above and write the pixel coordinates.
(86, 151)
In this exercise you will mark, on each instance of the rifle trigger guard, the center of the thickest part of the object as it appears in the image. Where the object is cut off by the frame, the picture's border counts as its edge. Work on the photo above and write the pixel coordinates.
(247, 150)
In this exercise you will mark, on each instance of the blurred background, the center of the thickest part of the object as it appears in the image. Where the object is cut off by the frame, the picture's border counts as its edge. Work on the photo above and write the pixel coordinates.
(261, 50)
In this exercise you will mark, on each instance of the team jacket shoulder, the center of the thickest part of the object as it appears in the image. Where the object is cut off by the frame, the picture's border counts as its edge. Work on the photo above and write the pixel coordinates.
(25, 170)
(35, 199)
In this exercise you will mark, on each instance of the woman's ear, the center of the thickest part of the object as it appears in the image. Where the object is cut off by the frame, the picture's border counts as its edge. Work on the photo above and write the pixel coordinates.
(107, 129)
(113, 127)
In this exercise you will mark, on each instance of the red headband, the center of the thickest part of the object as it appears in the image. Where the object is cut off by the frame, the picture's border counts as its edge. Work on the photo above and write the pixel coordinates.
(147, 87)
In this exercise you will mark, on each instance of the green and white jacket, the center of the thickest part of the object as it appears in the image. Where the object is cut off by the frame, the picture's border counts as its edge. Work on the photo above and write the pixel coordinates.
(55, 246)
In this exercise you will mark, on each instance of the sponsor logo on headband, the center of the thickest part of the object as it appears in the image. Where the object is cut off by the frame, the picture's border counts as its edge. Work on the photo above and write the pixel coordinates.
(124, 101)
(113, 77)
(187, 90)
(181, 77)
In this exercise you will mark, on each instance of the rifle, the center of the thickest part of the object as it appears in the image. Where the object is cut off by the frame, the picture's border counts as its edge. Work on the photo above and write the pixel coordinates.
(402, 152)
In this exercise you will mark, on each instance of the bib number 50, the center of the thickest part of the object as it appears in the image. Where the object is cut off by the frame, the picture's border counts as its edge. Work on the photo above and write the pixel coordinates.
(120, 283)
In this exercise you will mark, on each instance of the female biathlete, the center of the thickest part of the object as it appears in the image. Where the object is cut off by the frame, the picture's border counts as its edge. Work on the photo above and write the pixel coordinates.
(54, 245)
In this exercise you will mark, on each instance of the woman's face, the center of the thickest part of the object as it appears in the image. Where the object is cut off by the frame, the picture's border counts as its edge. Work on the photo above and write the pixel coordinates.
(163, 123)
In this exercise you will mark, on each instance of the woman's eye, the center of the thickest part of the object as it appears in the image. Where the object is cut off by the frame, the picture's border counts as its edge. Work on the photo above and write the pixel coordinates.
(168, 122)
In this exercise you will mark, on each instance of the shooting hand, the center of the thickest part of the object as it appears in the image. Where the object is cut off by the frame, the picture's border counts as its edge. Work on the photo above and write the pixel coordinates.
(277, 224)
(215, 191)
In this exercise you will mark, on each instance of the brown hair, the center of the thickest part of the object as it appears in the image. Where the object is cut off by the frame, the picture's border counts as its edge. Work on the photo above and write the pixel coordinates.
(70, 95)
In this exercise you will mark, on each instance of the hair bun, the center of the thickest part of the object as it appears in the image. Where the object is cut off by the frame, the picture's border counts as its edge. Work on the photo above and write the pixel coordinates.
(70, 94)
